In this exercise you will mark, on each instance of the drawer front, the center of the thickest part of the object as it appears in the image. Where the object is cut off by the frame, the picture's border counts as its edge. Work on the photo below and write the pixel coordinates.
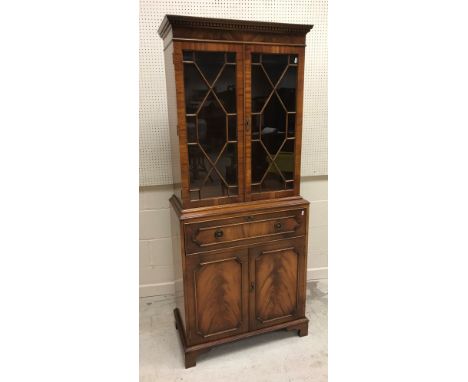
(247, 229)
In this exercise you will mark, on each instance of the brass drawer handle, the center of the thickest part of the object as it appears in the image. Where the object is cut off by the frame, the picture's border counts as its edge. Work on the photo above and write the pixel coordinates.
(278, 225)
(218, 233)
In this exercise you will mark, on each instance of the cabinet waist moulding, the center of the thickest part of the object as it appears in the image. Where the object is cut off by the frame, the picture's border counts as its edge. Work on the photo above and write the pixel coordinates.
(239, 224)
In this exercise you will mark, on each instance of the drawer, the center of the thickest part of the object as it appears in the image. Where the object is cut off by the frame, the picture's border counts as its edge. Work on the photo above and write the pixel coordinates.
(247, 229)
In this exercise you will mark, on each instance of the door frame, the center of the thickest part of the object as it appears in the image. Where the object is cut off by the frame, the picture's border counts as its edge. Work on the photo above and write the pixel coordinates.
(179, 46)
(258, 48)
(193, 266)
(298, 245)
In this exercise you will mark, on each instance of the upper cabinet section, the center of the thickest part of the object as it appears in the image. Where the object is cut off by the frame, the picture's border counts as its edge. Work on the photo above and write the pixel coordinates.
(236, 112)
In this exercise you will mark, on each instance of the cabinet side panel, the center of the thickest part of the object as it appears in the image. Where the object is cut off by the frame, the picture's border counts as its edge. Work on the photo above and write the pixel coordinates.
(172, 111)
(178, 258)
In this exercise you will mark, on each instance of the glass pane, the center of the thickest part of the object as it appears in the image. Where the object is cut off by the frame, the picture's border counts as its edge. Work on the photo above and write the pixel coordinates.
(195, 88)
(233, 191)
(293, 59)
(210, 64)
(213, 187)
(274, 65)
(199, 167)
(232, 127)
(225, 88)
(260, 162)
(187, 55)
(287, 88)
(212, 127)
(227, 164)
(212, 160)
(291, 125)
(194, 195)
(274, 129)
(256, 188)
(230, 57)
(255, 57)
(285, 160)
(191, 129)
(273, 121)
(273, 180)
(261, 88)
(256, 125)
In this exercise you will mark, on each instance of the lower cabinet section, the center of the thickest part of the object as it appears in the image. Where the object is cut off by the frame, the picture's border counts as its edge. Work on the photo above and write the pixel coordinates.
(242, 272)
(238, 290)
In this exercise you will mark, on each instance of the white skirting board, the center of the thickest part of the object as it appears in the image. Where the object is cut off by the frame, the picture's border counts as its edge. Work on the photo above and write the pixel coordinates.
(167, 288)
(317, 273)
(160, 289)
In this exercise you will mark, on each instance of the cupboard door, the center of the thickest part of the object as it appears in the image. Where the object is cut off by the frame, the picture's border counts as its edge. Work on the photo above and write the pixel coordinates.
(277, 277)
(218, 295)
(211, 120)
(274, 110)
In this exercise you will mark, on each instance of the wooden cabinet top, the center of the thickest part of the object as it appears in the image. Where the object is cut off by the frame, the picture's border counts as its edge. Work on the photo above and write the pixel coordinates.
(208, 29)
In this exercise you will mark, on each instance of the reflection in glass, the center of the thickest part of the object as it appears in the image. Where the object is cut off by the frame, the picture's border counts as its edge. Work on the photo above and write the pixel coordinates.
(293, 59)
(274, 127)
(291, 124)
(191, 129)
(227, 164)
(213, 187)
(187, 55)
(230, 57)
(232, 127)
(256, 125)
(210, 63)
(234, 190)
(195, 195)
(274, 65)
(287, 88)
(195, 88)
(199, 166)
(259, 163)
(285, 160)
(225, 88)
(273, 180)
(261, 88)
(212, 127)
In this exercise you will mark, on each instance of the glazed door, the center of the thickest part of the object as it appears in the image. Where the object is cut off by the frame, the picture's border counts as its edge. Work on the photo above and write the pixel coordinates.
(217, 295)
(277, 283)
(273, 108)
(210, 114)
